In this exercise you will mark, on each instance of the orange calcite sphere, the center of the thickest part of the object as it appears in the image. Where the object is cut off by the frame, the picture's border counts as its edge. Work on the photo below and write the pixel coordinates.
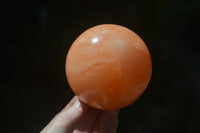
(108, 67)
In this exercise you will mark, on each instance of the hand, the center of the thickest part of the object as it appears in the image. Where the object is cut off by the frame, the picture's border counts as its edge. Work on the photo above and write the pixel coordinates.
(78, 117)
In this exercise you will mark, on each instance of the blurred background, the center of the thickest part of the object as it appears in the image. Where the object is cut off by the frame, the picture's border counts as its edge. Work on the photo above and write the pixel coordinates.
(36, 36)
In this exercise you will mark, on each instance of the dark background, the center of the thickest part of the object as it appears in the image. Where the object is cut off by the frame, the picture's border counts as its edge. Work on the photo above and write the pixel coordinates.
(35, 41)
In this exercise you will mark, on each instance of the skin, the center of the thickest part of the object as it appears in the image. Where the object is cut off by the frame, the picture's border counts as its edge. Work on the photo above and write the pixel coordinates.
(78, 117)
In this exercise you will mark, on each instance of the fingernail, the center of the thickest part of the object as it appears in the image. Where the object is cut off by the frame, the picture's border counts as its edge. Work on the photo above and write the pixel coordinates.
(115, 112)
(77, 104)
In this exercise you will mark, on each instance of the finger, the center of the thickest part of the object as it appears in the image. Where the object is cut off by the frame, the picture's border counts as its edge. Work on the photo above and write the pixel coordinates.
(68, 118)
(70, 103)
(107, 123)
(65, 108)
(87, 123)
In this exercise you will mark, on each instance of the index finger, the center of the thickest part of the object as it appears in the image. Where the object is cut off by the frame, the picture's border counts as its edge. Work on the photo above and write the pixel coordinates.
(68, 118)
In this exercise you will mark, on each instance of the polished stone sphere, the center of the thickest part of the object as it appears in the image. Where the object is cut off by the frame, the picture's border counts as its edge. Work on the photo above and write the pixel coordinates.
(108, 67)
